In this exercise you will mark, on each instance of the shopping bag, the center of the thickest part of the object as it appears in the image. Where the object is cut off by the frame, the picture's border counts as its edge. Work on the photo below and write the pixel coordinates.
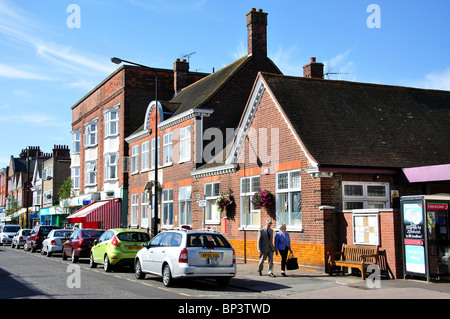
(291, 262)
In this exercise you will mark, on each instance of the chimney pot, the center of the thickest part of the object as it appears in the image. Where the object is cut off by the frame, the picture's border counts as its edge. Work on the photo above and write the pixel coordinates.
(313, 59)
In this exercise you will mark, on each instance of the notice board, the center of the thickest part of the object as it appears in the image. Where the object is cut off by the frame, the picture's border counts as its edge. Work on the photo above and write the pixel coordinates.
(366, 228)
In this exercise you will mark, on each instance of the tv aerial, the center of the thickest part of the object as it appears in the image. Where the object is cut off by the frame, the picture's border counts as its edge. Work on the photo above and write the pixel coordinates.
(188, 56)
(328, 72)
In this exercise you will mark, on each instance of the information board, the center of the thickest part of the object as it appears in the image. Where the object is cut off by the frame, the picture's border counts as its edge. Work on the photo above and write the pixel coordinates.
(366, 229)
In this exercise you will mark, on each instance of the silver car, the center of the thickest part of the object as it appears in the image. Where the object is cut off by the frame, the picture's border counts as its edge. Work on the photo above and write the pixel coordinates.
(187, 254)
(7, 233)
(55, 241)
(20, 238)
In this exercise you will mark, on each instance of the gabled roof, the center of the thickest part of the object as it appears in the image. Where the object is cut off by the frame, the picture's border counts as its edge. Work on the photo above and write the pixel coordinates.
(365, 125)
(198, 93)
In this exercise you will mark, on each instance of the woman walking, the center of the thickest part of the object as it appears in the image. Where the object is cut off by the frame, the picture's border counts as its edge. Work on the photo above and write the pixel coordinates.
(283, 245)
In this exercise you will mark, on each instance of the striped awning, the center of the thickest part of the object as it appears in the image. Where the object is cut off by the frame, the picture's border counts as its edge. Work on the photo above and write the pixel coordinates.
(108, 212)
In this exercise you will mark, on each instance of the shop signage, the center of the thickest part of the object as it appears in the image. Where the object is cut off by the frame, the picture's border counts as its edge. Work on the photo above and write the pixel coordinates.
(437, 206)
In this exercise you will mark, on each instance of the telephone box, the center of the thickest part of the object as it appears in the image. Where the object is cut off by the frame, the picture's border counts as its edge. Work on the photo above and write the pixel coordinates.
(425, 236)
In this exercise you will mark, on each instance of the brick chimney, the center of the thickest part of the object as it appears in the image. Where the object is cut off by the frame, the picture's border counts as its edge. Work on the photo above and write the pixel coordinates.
(313, 69)
(61, 152)
(180, 74)
(257, 33)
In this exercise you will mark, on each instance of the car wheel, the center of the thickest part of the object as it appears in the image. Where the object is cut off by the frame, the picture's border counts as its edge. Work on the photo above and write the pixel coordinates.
(106, 264)
(49, 254)
(167, 276)
(42, 251)
(138, 270)
(12, 245)
(92, 263)
(74, 258)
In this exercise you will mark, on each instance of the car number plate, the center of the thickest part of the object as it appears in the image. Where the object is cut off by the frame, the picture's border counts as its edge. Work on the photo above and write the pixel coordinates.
(213, 258)
(134, 247)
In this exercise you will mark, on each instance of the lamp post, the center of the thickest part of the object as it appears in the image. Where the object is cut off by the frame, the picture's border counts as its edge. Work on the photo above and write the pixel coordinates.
(119, 61)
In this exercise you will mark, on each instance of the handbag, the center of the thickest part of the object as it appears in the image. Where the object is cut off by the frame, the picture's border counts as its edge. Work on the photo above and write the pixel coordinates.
(291, 262)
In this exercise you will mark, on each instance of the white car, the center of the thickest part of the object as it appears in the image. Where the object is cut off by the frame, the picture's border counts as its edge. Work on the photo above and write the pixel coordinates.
(187, 254)
(20, 238)
(7, 232)
(55, 241)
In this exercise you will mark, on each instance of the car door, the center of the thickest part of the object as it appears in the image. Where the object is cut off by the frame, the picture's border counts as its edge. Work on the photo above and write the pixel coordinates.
(146, 253)
(160, 253)
(98, 251)
(68, 246)
(154, 252)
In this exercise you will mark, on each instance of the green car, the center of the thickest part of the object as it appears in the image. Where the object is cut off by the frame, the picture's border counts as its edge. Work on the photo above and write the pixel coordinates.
(117, 247)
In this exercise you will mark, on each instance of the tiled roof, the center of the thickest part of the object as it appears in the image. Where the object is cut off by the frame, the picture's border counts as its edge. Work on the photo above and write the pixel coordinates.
(366, 125)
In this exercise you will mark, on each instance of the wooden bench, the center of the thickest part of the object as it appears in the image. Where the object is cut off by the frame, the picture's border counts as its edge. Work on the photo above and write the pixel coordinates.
(354, 256)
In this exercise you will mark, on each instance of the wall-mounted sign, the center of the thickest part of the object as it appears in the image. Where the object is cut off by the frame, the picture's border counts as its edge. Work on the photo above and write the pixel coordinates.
(366, 228)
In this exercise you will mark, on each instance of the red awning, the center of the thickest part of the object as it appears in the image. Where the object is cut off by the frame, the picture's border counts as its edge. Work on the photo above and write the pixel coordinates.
(108, 212)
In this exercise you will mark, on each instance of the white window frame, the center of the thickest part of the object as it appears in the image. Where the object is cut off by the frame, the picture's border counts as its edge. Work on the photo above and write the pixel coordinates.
(91, 134)
(367, 201)
(111, 166)
(135, 159)
(75, 176)
(290, 189)
(212, 192)
(134, 209)
(254, 215)
(167, 149)
(90, 173)
(185, 205)
(144, 209)
(145, 158)
(153, 153)
(76, 143)
(110, 122)
(167, 202)
(185, 144)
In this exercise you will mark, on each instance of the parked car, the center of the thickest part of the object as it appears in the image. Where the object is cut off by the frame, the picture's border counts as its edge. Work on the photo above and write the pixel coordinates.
(55, 241)
(79, 244)
(117, 247)
(185, 254)
(20, 238)
(7, 232)
(37, 235)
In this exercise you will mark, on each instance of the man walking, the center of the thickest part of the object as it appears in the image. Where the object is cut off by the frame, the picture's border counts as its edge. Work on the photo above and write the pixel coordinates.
(265, 247)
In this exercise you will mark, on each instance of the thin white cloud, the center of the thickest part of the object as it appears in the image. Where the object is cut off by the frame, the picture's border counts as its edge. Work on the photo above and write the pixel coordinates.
(436, 81)
(340, 67)
(14, 73)
(34, 119)
(20, 27)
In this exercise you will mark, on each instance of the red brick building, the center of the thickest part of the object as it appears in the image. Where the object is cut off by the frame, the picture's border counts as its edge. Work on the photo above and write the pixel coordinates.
(213, 104)
(103, 118)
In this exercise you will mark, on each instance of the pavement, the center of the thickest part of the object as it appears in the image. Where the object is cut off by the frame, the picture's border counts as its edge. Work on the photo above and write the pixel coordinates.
(301, 284)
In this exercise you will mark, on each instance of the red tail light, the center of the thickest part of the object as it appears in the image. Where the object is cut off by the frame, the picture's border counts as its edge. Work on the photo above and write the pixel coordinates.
(183, 256)
(81, 243)
(53, 242)
(115, 242)
(234, 256)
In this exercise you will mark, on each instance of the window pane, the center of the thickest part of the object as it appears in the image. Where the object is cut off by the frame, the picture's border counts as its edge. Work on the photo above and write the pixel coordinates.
(354, 205)
(283, 181)
(283, 208)
(245, 185)
(376, 191)
(296, 211)
(353, 190)
(295, 179)
(255, 184)
(216, 188)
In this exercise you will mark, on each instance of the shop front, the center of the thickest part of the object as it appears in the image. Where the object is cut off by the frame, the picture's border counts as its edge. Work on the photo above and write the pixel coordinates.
(426, 236)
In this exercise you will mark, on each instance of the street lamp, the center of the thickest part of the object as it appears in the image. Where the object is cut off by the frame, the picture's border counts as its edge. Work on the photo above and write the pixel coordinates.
(119, 61)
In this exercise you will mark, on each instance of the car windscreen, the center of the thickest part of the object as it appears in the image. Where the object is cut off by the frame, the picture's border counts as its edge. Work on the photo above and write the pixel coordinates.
(11, 229)
(45, 230)
(203, 240)
(89, 233)
(26, 232)
(133, 237)
(61, 233)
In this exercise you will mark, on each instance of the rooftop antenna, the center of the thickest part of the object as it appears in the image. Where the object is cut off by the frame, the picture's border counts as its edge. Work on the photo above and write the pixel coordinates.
(328, 72)
(188, 56)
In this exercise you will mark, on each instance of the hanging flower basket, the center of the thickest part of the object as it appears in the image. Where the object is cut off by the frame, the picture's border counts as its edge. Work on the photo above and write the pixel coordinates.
(262, 198)
(224, 200)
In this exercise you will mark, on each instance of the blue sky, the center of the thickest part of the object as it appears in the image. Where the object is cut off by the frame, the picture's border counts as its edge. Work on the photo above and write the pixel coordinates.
(47, 66)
